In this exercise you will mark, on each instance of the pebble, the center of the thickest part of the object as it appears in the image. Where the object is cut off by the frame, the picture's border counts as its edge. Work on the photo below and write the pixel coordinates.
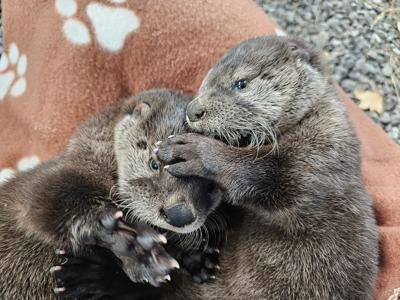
(385, 119)
(387, 71)
(348, 84)
(395, 133)
(395, 120)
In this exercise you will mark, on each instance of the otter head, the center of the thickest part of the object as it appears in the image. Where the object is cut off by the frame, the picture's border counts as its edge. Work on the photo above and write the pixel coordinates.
(259, 88)
(146, 191)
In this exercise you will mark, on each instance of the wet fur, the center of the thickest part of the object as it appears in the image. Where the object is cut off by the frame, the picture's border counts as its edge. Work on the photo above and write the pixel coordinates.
(309, 230)
(57, 204)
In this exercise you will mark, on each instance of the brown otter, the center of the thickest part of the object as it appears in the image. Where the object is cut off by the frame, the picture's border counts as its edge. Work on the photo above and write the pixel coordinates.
(291, 161)
(66, 202)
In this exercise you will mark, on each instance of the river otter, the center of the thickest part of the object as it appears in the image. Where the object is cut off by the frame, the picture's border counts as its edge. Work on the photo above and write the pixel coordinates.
(290, 159)
(66, 203)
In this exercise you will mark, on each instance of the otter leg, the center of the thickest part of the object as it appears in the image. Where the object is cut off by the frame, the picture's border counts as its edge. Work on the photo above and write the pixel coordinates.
(98, 276)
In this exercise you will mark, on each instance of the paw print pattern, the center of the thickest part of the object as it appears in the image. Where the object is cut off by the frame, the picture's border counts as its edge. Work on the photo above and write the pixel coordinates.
(12, 72)
(24, 164)
(110, 23)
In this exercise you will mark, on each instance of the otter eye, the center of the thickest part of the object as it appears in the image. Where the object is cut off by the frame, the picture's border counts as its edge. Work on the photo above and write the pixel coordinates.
(154, 165)
(240, 84)
(130, 110)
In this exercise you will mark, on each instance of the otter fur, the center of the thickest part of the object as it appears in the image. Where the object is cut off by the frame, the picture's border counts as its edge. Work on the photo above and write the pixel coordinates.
(274, 135)
(73, 202)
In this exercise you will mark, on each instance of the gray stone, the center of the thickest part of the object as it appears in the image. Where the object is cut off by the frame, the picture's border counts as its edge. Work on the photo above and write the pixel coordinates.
(394, 133)
(389, 103)
(395, 120)
(348, 85)
(385, 118)
(376, 39)
(387, 70)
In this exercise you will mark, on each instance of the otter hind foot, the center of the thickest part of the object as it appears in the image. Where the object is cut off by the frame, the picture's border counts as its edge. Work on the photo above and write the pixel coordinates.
(201, 265)
(88, 277)
(138, 247)
(98, 276)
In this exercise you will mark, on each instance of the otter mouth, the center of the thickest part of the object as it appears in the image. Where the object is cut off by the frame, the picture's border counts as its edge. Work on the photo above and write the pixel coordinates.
(242, 142)
(195, 225)
(245, 140)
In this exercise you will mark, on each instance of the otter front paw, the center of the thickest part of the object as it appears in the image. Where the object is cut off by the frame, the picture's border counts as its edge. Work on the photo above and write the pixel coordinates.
(139, 248)
(191, 154)
(201, 265)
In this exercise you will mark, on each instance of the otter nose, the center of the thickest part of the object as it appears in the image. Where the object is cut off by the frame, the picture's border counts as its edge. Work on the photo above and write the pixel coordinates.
(195, 111)
(178, 215)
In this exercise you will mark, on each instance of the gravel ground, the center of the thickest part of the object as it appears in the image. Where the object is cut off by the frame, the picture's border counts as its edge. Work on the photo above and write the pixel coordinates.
(361, 41)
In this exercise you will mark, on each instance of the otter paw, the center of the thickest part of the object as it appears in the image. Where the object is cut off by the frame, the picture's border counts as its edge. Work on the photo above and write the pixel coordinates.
(87, 277)
(190, 154)
(98, 276)
(139, 248)
(201, 265)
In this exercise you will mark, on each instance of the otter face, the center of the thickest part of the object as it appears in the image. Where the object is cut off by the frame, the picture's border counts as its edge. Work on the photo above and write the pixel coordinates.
(146, 192)
(259, 88)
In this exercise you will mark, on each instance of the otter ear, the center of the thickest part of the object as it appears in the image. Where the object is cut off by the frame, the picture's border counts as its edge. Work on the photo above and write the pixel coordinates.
(142, 108)
(306, 54)
(299, 50)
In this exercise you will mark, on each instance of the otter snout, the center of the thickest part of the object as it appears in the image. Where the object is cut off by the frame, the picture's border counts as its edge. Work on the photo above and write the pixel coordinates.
(195, 111)
(178, 215)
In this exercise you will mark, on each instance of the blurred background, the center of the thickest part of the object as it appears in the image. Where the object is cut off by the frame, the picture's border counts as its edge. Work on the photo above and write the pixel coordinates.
(360, 39)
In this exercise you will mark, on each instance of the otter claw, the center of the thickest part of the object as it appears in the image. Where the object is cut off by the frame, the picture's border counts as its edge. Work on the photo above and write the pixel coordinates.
(163, 278)
(58, 290)
(55, 269)
(162, 239)
(158, 143)
(171, 136)
(60, 252)
(174, 264)
(118, 215)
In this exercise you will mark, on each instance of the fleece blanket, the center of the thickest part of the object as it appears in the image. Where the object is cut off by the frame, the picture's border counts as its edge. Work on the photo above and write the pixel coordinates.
(64, 60)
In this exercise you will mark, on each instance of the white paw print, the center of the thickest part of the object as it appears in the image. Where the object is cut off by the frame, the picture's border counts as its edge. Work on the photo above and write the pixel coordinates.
(110, 23)
(12, 71)
(24, 164)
